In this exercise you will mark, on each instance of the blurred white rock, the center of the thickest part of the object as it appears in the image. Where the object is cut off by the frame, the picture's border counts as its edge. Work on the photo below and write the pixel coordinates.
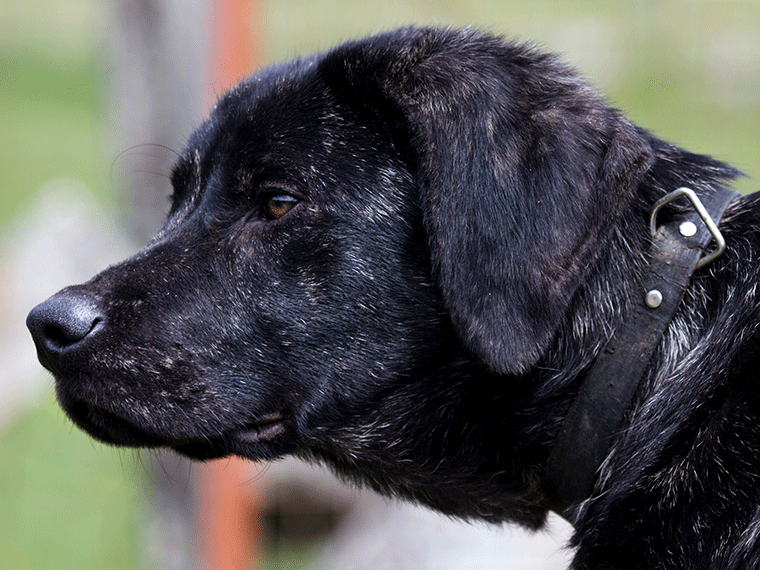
(62, 238)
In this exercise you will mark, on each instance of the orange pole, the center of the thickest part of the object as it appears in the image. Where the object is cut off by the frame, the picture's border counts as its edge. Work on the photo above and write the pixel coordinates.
(228, 511)
(233, 53)
(228, 516)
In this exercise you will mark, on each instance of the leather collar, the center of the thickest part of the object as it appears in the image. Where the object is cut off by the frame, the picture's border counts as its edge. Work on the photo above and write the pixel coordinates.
(678, 248)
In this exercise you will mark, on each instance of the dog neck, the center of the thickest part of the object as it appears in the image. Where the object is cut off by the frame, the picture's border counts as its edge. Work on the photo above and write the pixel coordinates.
(595, 415)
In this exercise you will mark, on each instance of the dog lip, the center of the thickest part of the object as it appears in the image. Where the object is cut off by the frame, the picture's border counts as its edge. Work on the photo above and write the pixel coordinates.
(265, 428)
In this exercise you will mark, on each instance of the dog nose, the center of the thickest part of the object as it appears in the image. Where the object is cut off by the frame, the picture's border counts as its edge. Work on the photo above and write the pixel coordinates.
(60, 324)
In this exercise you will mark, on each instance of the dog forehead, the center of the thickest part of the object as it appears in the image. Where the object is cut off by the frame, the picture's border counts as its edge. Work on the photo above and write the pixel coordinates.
(287, 114)
(276, 113)
(291, 123)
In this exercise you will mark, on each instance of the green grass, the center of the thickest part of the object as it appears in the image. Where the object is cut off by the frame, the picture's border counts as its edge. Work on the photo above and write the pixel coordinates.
(52, 116)
(65, 501)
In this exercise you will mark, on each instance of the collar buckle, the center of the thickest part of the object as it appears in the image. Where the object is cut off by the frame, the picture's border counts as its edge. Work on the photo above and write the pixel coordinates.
(688, 229)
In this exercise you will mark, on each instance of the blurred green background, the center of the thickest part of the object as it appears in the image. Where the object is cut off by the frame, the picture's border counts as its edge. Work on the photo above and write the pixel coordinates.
(689, 71)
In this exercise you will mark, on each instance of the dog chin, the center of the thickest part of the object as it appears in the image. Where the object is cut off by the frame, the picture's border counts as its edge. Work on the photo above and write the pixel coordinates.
(108, 427)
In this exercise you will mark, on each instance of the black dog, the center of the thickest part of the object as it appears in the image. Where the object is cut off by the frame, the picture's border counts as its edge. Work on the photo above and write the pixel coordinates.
(402, 257)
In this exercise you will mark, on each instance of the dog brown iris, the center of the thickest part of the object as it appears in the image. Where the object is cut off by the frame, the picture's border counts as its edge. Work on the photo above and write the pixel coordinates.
(277, 205)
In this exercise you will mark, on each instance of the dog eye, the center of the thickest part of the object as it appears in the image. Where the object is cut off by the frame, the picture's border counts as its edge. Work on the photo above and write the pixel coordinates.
(276, 206)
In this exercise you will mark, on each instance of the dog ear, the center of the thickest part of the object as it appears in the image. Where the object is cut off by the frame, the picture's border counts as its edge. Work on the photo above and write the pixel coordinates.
(523, 172)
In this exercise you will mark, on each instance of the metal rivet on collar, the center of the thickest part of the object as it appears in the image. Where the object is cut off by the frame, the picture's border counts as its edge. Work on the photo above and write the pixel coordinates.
(653, 299)
(688, 229)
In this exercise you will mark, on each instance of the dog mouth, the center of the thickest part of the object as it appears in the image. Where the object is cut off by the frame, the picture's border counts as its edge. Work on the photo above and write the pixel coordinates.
(254, 440)
(264, 429)
(263, 438)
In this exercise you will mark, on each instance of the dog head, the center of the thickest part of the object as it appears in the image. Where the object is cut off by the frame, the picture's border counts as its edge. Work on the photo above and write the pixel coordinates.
(342, 228)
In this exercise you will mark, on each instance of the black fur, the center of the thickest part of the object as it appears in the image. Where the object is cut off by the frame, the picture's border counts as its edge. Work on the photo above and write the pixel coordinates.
(471, 226)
